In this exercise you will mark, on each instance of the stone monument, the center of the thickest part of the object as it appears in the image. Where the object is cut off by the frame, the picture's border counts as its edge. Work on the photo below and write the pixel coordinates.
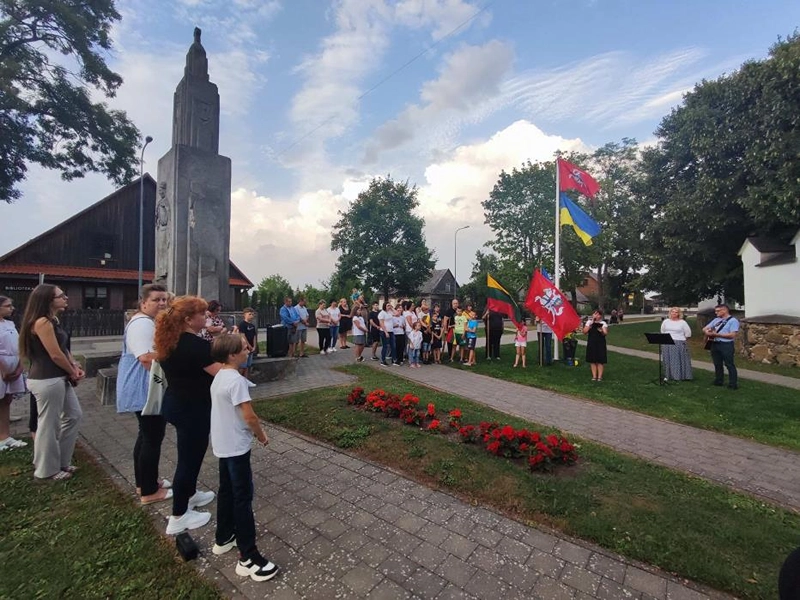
(193, 203)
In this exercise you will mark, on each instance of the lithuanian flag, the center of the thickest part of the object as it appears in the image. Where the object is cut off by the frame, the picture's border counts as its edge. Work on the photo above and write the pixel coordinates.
(499, 300)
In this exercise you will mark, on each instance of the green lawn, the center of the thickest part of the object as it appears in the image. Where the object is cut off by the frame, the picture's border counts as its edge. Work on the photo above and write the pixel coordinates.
(631, 335)
(680, 523)
(763, 412)
(83, 539)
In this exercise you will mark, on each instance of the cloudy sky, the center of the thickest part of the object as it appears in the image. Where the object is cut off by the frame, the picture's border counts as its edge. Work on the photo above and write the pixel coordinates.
(318, 97)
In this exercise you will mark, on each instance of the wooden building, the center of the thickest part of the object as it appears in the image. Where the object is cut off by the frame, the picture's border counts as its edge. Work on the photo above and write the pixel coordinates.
(94, 255)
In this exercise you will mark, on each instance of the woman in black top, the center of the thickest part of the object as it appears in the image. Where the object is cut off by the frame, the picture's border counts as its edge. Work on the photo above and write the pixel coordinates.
(596, 354)
(187, 363)
(51, 379)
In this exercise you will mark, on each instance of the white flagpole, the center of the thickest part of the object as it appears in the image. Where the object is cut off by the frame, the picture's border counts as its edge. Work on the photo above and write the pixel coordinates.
(557, 265)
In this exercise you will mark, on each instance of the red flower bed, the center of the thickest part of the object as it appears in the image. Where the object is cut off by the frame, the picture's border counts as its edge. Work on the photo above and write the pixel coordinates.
(540, 453)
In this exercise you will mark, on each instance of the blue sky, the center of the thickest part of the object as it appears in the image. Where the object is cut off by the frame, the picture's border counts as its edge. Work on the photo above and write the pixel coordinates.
(518, 81)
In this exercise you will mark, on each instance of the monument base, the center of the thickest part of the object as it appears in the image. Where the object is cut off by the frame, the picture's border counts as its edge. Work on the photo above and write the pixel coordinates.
(272, 369)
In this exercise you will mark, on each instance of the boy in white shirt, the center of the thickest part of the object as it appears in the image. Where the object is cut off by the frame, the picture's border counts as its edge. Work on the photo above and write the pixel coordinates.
(233, 425)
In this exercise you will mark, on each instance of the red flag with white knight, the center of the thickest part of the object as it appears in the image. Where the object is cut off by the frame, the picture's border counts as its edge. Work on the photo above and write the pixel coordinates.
(547, 302)
(572, 178)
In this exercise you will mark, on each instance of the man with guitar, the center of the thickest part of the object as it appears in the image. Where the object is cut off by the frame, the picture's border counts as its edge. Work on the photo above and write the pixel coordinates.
(721, 332)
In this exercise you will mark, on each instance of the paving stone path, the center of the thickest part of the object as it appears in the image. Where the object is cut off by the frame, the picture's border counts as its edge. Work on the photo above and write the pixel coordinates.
(342, 527)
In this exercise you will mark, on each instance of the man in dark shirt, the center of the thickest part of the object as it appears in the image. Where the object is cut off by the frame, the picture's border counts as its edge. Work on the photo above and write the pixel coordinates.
(250, 332)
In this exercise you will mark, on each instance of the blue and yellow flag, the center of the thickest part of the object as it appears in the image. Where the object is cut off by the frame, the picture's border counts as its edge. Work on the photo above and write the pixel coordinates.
(584, 226)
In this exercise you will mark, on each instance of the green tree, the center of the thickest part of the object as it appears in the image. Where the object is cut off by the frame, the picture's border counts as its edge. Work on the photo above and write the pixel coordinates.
(476, 289)
(273, 289)
(381, 239)
(313, 294)
(46, 109)
(520, 211)
(726, 166)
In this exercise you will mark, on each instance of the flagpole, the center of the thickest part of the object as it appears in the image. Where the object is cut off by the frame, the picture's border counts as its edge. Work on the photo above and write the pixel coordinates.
(558, 243)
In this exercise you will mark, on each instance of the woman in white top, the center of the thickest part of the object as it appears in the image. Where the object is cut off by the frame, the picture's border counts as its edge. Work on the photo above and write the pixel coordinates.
(399, 329)
(335, 315)
(11, 380)
(677, 361)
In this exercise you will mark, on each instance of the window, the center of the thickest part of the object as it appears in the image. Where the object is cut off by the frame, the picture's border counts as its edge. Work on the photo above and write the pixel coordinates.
(447, 288)
(95, 297)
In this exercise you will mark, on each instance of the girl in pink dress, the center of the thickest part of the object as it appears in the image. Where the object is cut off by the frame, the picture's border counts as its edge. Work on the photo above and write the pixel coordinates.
(11, 380)
(521, 344)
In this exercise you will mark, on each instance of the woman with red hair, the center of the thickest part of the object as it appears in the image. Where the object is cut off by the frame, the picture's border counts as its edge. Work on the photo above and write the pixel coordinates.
(187, 363)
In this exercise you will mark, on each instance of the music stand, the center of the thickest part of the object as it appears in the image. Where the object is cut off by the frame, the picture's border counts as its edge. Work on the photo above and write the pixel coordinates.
(662, 339)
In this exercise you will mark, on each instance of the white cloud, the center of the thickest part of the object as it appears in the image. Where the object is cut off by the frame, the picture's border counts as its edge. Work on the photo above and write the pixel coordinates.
(443, 16)
(469, 79)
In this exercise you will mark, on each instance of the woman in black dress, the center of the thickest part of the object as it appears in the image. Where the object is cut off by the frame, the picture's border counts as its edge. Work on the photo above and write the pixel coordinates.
(345, 323)
(596, 329)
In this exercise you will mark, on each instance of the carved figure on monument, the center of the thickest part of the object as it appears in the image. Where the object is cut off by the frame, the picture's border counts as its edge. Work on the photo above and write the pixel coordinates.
(162, 233)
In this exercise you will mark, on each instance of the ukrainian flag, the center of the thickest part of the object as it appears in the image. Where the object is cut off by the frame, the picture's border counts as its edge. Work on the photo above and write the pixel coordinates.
(584, 226)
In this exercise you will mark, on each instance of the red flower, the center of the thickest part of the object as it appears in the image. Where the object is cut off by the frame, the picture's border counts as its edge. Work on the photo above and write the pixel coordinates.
(455, 413)
(508, 433)
(431, 410)
(523, 447)
(494, 447)
(535, 437)
(434, 425)
(552, 440)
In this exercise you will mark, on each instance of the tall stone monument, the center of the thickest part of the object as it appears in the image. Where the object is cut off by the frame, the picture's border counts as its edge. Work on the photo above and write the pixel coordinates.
(193, 204)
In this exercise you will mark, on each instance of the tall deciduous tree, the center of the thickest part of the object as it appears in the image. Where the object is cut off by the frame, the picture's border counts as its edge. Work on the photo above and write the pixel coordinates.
(273, 289)
(47, 115)
(726, 166)
(381, 239)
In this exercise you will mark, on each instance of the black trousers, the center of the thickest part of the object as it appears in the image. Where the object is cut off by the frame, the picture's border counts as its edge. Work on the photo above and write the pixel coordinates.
(147, 452)
(192, 422)
(235, 504)
(400, 345)
(324, 338)
(494, 343)
(722, 354)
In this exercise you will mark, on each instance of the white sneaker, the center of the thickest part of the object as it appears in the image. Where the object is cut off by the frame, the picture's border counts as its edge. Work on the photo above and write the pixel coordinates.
(10, 442)
(200, 499)
(334, 349)
(220, 549)
(191, 519)
(257, 568)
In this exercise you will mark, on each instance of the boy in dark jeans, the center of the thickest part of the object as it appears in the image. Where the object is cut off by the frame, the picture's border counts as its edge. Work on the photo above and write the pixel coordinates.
(233, 425)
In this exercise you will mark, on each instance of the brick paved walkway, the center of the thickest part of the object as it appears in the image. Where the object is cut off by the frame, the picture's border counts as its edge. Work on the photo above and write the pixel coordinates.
(342, 527)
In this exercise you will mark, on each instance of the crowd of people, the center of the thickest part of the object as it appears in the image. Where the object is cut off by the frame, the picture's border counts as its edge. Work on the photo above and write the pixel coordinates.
(206, 363)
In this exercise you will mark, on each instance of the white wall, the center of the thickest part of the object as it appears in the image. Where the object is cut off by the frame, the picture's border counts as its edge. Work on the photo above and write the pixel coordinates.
(771, 290)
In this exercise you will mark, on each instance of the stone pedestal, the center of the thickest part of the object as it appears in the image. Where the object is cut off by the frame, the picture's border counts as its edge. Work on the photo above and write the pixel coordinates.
(106, 382)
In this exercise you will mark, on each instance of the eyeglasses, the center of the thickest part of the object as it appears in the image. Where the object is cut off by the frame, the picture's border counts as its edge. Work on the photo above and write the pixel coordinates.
(60, 296)
(7, 306)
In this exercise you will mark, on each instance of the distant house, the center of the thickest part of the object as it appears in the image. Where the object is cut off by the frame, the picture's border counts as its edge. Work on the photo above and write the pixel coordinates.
(440, 288)
(771, 327)
(94, 255)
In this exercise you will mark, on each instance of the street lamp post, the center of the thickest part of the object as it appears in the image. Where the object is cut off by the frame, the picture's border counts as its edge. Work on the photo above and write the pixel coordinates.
(147, 140)
(455, 258)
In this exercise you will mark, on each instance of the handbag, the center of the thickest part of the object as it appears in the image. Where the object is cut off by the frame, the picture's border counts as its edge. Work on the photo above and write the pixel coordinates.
(155, 390)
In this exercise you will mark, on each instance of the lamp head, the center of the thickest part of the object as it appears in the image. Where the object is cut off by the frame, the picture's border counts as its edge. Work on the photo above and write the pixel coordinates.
(148, 139)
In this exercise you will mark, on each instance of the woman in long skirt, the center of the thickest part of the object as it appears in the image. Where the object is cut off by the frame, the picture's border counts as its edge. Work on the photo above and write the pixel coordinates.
(677, 360)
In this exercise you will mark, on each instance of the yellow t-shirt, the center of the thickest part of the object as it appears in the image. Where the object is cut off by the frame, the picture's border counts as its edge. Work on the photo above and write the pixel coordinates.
(460, 324)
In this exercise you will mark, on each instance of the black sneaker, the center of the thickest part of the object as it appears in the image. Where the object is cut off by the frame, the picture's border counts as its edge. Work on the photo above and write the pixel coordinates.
(375, 358)
(360, 359)
(384, 363)
(257, 568)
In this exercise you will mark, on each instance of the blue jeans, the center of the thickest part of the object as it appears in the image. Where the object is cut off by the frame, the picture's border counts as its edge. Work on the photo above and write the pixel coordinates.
(413, 356)
(235, 504)
(334, 335)
(722, 354)
(387, 339)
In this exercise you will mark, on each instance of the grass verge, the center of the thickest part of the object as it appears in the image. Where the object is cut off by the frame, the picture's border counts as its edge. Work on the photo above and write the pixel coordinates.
(765, 413)
(83, 539)
(682, 524)
(631, 335)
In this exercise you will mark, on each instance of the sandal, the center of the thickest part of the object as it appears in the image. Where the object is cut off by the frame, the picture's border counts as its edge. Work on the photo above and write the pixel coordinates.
(161, 495)
(69, 469)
